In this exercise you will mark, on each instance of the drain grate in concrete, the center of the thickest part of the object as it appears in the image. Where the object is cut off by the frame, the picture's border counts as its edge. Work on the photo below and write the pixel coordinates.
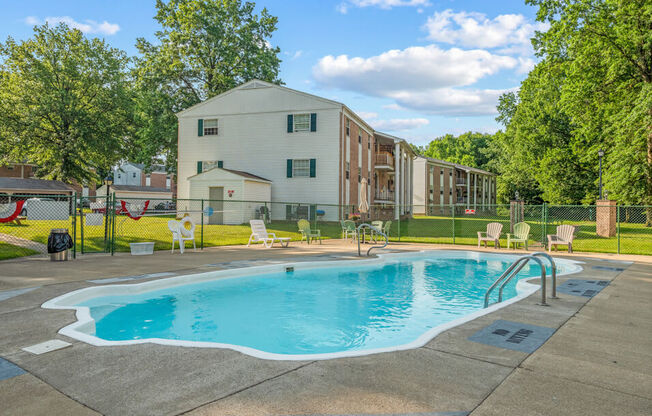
(608, 268)
(47, 346)
(129, 278)
(511, 335)
(585, 288)
(9, 370)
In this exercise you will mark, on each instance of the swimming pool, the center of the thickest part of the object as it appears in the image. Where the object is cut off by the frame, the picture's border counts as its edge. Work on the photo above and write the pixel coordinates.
(319, 310)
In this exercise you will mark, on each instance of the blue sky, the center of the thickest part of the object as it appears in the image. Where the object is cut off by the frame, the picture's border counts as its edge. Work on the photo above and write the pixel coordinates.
(414, 68)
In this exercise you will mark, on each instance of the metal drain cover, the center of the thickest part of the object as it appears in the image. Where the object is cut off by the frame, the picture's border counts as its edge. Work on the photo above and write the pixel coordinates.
(511, 335)
(584, 288)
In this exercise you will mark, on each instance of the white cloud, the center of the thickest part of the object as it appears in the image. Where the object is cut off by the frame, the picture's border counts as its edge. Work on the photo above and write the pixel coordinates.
(428, 79)
(413, 68)
(89, 26)
(383, 4)
(476, 30)
(367, 115)
(451, 101)
(399, 124)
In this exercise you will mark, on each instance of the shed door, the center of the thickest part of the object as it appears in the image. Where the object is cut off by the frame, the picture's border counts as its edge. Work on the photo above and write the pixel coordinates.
(216, 196)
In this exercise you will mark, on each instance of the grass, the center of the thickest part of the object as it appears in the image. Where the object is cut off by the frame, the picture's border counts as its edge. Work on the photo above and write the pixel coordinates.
(9, 251)
(635, 238)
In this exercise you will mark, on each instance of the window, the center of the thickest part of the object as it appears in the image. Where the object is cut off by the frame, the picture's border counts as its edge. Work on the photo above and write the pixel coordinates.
(348, 169)
(210, 127)
(302, 122)
(119, 176)
(359, 176)
(359, 137)
(301, 168)
(369, 144)
(148, 180)
(210, 164)
(168, 182)
(348, 127)
(133, 174)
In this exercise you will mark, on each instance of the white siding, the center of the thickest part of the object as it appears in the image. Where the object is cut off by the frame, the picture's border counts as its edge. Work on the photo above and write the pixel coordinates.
(253, 137)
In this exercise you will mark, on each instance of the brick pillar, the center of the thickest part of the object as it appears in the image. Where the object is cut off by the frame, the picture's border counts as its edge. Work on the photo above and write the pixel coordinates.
(605, 225)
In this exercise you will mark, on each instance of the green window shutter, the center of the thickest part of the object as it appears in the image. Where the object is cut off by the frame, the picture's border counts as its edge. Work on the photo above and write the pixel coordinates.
(313, 121)
(220, 163)
(289, 168)
(290, 123)
(200, 127)
(199, 167)
(313, 168)
(288, 212)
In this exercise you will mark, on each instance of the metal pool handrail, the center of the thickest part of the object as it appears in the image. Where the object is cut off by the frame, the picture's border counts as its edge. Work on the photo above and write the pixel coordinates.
(518, 269)
(376, 230)
(513, 271)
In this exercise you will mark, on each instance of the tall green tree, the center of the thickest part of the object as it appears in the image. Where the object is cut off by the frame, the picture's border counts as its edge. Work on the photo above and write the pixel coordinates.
(606, 50)
(470, 148)
(64, 103)
(205, 47)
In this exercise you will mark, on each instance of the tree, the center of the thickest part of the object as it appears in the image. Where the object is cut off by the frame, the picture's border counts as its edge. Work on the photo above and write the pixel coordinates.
(606, 50)
(205, 47)
(64, 103)
(470, 149)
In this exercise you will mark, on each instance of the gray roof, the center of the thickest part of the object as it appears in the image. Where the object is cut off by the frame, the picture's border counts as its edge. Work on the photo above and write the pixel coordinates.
(134, 188)
(457, 165)
(30, 184)
(246, 174)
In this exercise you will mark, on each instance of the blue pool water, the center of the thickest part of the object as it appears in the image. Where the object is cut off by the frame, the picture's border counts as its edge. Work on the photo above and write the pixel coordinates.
(311, 311)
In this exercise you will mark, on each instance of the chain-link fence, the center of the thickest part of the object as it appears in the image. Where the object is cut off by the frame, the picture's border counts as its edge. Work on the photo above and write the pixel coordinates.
(94, 228)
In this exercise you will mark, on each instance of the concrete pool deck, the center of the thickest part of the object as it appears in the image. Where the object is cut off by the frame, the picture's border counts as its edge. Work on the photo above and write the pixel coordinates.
(599, 360)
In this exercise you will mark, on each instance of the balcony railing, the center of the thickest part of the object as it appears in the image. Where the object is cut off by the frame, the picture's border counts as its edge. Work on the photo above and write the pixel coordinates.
(384, 195)
(460, 181)
(384, 159)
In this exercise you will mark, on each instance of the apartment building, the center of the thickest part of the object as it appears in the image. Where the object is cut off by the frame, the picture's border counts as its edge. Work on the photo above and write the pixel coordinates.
(307, 148)
(439, 184)
(134, 174)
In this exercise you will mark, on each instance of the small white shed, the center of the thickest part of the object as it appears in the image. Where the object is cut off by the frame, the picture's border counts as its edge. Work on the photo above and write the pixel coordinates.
(222, 191)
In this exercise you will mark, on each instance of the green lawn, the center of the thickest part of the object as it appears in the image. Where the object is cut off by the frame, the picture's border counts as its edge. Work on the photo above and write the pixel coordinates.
(635, 238)
(8, 251)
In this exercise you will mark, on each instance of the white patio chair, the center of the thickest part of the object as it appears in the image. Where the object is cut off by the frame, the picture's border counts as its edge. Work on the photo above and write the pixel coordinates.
(564, 237)
(182, 234)
(494, 229)
(259, 234)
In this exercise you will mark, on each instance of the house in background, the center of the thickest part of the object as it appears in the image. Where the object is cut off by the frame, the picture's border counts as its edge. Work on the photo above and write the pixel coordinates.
(439, 184)
(27, 170)
(311, 150)
(134, 174)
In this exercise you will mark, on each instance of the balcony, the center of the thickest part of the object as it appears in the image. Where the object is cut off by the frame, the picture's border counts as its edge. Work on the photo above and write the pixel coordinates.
(460, 182)
(384, 161)
(384, 196)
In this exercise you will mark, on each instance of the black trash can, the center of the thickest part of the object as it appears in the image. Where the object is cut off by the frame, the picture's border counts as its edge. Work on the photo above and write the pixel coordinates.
(59, 242)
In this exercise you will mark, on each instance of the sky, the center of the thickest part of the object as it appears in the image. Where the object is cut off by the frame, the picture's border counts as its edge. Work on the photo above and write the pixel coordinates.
(417, 69)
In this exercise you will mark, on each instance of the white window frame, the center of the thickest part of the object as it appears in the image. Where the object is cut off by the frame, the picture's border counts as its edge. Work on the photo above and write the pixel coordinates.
(208, 165)
(301, 168)
(211, 126)
(304, 125)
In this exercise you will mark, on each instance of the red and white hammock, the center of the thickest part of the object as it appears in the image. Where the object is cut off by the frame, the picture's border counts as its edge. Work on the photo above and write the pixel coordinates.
(10, 211)
(134, 209)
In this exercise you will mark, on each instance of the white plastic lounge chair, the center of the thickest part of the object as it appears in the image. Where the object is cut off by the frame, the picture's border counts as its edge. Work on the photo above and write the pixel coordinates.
(182, 234)
(564, 237)
(494, 229)
(379, 226)
(259, 234)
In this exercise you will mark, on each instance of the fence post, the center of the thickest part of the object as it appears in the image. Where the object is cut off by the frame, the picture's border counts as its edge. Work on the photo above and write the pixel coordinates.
(618, 227)
(81, 226)
(453, 209)
(201, 245)
(113, 224)
(74, 227)
(545, 224)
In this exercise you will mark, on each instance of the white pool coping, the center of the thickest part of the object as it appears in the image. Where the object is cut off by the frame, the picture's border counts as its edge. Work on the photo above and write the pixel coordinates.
(85, 324)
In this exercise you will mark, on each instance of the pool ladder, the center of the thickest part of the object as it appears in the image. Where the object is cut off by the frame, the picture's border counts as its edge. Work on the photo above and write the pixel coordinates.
(375, 230)
(516, 267)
